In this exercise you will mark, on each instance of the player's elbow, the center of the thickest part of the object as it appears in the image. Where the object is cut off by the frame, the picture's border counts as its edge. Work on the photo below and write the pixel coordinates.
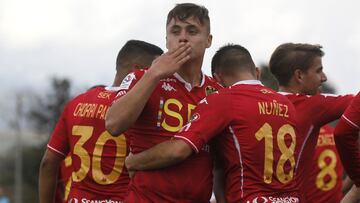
(112, 126)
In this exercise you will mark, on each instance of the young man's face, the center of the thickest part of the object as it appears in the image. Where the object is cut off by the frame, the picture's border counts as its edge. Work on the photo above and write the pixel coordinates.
(313, 77)
(190, 31)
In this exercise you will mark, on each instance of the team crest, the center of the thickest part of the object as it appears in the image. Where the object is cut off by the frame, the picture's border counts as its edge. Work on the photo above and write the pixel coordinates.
(209, 90)
(194, 117)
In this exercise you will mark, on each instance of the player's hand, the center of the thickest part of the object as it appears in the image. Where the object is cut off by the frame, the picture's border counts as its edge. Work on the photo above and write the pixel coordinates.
(128, 165)
(171, 61)
(353, 196)
(131, 174)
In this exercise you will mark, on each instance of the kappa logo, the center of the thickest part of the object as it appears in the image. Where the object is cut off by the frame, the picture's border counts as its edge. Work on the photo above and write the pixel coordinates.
(168, 87)
(265, 91)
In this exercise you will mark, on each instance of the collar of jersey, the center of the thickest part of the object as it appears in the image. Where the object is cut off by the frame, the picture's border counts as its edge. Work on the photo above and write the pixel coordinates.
(188, 85)
(248, 82)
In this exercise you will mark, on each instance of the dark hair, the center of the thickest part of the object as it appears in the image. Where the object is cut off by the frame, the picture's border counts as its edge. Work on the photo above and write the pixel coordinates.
(135, 52)
(289, 57)
(185, 10)
(231, 58)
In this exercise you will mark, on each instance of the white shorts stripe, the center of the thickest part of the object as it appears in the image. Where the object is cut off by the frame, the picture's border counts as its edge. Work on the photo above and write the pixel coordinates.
(350, 122)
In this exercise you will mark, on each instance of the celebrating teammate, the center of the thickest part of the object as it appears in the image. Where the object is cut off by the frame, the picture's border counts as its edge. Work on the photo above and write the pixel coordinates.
(346, 138)
(98, 172)
(160, 101)
(257, 140)
(299, 71)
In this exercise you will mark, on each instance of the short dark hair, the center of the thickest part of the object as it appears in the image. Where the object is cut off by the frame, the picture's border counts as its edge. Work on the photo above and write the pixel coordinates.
(231, 58)
(135, 52)
(185, 10)
(289, 57)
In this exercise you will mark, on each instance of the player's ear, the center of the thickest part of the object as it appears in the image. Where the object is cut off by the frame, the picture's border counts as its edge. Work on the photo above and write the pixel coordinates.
(209, 41)
(298, 75)
(257, 73)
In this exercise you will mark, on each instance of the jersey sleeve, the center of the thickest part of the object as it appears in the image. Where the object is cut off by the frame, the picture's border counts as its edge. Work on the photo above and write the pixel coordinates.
(210, 118)
(129, 82)
(330, 107)
(346, 138)
(59, 142)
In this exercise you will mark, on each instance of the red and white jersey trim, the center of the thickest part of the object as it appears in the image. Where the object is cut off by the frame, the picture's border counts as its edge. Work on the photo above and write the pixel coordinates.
(189, 142)
(55, 150)
(350, 122)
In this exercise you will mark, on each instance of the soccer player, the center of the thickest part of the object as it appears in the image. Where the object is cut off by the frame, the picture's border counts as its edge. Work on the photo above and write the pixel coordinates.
(346, 138)
(256, 134)
(98, 172)
(159, 102)
(299, 71)
(324, 182)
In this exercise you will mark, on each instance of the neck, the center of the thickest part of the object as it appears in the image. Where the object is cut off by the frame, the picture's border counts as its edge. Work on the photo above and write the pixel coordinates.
(289, 89)
(119, 78)
(191, 72)
(238, 77)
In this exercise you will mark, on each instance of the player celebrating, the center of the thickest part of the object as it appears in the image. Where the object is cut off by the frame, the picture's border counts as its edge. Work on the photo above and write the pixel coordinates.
(98, 172)
(257, 134)
(299, 71)
(160, 101)
(346, 138)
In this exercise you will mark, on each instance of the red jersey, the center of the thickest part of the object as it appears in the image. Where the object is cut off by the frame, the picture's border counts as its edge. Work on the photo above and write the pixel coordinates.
(346, 138)
(312, 113)
(324, 182)
(167, 110)
(98, 171)
(257, 138)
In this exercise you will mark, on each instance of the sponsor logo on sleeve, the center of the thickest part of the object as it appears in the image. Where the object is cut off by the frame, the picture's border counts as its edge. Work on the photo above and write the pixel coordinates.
(125, 84)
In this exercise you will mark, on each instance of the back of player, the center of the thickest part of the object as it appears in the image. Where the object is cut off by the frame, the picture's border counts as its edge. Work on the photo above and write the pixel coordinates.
(327, 171)
(97, 157)
(260, 147)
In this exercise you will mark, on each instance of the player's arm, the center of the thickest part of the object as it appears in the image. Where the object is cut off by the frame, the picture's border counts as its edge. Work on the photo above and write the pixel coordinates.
(48, 175)
(353, 196)
(160, 156)
(346, 138)
(125, 111)
(219, 174)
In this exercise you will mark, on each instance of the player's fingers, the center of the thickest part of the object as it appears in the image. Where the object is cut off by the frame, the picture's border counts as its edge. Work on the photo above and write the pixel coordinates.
(183, 54)
(182, 48)
(183, 60)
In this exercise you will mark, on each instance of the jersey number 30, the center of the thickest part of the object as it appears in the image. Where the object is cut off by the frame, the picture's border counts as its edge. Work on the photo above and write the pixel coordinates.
(85, 133)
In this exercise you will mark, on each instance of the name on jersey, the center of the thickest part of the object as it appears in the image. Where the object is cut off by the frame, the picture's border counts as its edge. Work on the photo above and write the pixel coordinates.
(325, 139)
(273, 108)
(90, 110)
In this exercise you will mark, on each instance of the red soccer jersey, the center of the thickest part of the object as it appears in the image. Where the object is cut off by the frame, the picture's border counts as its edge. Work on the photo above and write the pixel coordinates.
(257, 141)
(346, 138)
(312, 113)
(98, 171)
(325, 178)
(167, 110)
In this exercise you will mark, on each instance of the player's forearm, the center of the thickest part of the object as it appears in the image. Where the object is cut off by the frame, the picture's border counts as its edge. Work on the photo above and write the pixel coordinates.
(47, 181)
(125, 111)
(349, 151)
(160, 156)
(353, 196)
